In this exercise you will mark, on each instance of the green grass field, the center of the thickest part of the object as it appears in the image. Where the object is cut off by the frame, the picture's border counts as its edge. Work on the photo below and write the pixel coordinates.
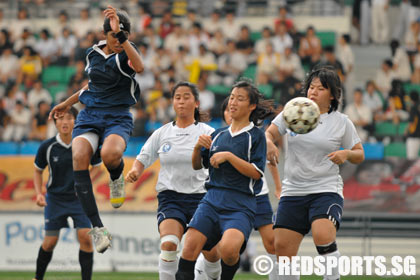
(7, 275)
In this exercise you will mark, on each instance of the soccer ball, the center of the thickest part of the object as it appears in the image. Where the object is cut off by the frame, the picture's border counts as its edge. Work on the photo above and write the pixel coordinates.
(301, 115)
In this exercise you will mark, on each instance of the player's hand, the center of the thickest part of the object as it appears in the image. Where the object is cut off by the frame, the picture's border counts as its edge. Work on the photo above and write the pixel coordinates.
(339, 157)
(203, 141)
(272, 153)
(219, 158)
(277, 192)
(132, 176)
(40, 200)
(59, 110)
(111, 13)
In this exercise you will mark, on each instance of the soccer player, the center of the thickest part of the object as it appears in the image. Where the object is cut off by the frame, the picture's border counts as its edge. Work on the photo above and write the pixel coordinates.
(61, 201)
(106, 122)
(312, 188)
(180, 187)
(235, 157)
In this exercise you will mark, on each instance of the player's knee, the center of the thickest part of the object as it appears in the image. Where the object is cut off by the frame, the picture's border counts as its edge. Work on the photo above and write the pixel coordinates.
(48, 246)
(111, 157)
(169, 247)
(327, 248)
(229, 255)
(268, 243)
(80, 160)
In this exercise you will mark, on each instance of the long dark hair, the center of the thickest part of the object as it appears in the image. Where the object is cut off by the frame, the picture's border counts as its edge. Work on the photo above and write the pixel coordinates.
(264, 108)
(329, 80)
(198, 116)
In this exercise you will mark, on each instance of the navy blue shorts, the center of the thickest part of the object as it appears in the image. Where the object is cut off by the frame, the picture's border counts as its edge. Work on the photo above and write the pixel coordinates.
(57, 212)
(264, 214)
(178, 206)
(298, 212)
(104, 122)
(213, 223)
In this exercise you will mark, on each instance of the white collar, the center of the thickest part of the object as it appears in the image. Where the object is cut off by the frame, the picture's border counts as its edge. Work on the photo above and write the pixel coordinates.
(99, 50)
(61, 142)
(246, 128)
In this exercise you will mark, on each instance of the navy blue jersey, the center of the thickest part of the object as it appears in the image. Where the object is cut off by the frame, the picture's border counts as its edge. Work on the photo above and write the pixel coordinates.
(248, 144)
(57, 155)
(111, 81)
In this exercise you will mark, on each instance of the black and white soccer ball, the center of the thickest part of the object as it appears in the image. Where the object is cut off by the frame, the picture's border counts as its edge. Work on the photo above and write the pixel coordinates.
(301, 115)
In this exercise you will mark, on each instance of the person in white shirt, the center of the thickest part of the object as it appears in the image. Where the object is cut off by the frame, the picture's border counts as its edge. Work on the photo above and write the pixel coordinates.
(360, 114)
(37, 94)
(9, 66)
(261, 44)
(401, 61)
(282, 39)
(312, 188)
(180, 187)
(19, 125)
(346, 57)
(372, 98)
(176, 39)
(380, 24)
(384, 77)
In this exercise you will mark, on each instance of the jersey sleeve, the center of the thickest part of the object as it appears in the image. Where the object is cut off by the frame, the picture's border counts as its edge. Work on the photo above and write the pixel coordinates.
(350, 137)
(41, 157)
(259, 152)
(279, 122)
(149, 152)
(123, 61)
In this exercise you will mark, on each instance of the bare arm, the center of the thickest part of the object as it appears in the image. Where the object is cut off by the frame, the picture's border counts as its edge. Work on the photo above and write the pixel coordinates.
(272, 135)
(64, 106)
(203, 141)
(276, 178)
(356, 155)
(135, 172)
(40, 198)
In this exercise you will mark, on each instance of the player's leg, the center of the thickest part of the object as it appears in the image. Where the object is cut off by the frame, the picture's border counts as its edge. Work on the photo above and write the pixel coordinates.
(325, 214)
(45, 253)
(193, 244)
(85, 253)
(230, 247)
(267, 236)
(171, 232)
(212, 266)
(112, 155)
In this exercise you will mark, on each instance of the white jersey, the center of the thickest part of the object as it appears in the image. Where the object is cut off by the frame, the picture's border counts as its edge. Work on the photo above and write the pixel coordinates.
(307, 167)
(174, 147)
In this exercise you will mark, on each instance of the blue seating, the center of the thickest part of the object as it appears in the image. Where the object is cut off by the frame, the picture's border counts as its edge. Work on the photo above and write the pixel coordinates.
(374, 150)
(29, 147)
(9, 148)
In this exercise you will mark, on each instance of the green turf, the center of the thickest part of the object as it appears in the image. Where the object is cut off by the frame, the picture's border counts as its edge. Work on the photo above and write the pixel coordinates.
(7, 275)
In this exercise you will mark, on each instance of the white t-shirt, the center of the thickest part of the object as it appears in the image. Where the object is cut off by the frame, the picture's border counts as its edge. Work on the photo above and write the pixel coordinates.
(307, 168)
(174, 147)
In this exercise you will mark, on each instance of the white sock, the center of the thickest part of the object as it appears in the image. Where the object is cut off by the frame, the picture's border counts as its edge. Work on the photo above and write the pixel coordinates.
(199, 273)
(335, 272)
(274, 274)
(213, 269)
(167, 270)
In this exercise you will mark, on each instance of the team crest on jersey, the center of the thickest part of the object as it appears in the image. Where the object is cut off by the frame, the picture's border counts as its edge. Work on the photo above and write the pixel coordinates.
(214, 148)
(166, 147)
(55, 159)
(291, 133)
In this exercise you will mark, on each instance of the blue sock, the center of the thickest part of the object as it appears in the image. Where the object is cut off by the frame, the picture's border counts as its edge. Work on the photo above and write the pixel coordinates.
(84, 191)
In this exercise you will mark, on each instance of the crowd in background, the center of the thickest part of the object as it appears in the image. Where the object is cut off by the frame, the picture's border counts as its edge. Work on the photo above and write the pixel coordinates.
(213, 52)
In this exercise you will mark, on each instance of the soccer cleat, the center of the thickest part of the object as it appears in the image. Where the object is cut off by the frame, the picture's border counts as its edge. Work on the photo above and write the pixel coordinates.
(117, 191)
(101, 238)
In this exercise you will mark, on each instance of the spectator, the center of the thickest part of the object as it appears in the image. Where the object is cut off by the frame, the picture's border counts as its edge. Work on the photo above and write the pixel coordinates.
(13, 94)
(290, 65)
(84, 44)
(217, 43)
(190, 19)
(384, 77)
(360, 114)
(246, 45)
(310, 48)
(181, 62)
(175, 39)
(415, 78)
(346, 57)
(5, 41)
(67, 44)
(282, 39)
(22, 22)
(62, 23)
(266, 38)
(30, 67)
(206, 97)
(331, 59)
(269, 61)
(25, 40)
(18, 127)
(283, 18)
(230, 26)
(397, 110)
(166, 24)
(151, 38)
(401, 62)
(373, 99)
(40, 122)
(36, 95)
(196, 38)
(214, 24)
(143, 20)
(412, 37)
(413, 130)
(9, 66)
(47, 47)
(84, 24)
(380, 25)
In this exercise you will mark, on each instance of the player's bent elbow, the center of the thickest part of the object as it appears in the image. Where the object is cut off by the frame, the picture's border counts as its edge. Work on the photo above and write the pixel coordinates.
(139, 69)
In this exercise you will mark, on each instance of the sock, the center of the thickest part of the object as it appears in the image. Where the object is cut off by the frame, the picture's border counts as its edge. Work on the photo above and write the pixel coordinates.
(84, 191)
(199, 272)
(167, 270)
(335, 273)
(229, 271)
(213, 269)
(116, 172)
(185, 270)
(42, 262)
(274, 272)
(86, 264)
